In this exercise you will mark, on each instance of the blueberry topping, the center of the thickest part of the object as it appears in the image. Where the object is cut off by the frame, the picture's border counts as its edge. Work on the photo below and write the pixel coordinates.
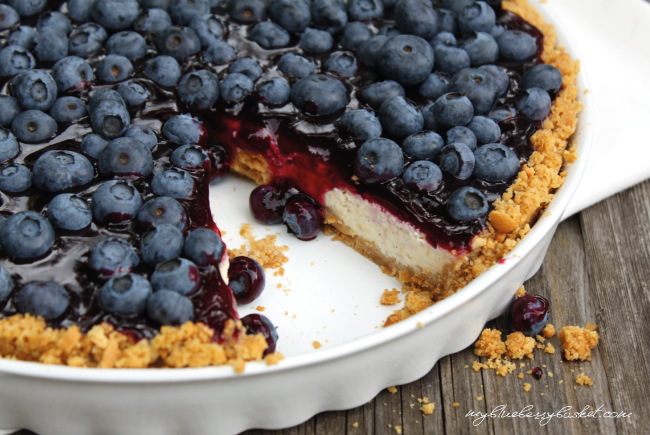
(153, 21)
(51, 44)
(15, 178)
(453, 109)
(416, 17)
(203, 246)
(133, 93)
(164, 70)
(329, 15)
(161, 243)
(178, 42)
(500, 75)
(389, 30)
(296, 65)
(423, 145)
(114, 68)
(23, 36)
(113, 256)
(184, 11)
(170, 308)
(172, 182)
(219, 53)
(93, 144)
(407, 59)
(479, 86)
(496, 162)
(142, 134)
(34, 89)
(209, 28)
(370, 49)
(353, 35)
(546, 77)
(293, 15)
(126, 294)
(528, 314)
(246, 66)
(462, 135)
(26, 235)
(162, 210)
(503, 113)
(190, 157)
(477, 17)
(87, 39)
(377, 93)
(467, 204)
(274, 91)
(400, 117)
(362, 10)
(247, 11)
(115, 14)
(115, 201)
(316, 41)
(267, 203)
(259, 324)
(360, 124)
(342, 64)
(15, 59)
(319, 94)
(481, 47)
(457, 159)
(9, 147)
(8, 17)
(434, 86)
(183, 129)
(54, 18)
(534, 103)
(72, 73)
(236, 87)
(430, 121)
(33, 126)
(246, 279)
(378, 160)
(128, 44)
(79, 10)
(456, 6)
(302, 217)
(43, 298)
(68, 109)
(70, 212)
(6, 284)
(516, 45)
(103, 95)
(270, 35)
(179, 275)
(199, 89)
(422, 176)
(485, 129)
(59, 170)
(125, 156)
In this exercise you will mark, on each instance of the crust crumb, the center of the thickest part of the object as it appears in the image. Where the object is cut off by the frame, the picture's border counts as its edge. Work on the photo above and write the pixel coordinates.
(316, 345)
(577, 342)
(398, 430)
(520, 292)
(455, 404)
(527, 386)
(518, 345)
(389, 297)
(583, 379)
(273, 358)
(392, 390)
(264, 251)
(549, 348)
(548, 331)
(591, 327)
(355, 424)
(489, 344)
(428, 408)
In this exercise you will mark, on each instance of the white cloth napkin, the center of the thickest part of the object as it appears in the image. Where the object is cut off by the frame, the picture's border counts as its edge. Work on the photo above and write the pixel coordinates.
(613, 38)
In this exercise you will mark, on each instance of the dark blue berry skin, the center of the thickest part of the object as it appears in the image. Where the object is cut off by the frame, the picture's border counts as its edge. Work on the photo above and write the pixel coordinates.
(292, 15)
(170, 308)
(302, 217)
(209, 28)
(179, 275)
(103, 95)
(160, 4)
(34, 89)
(115, 201)
(15, 59)
(360, 124)
(126, 294)
(43, 298)
(416, 17)
(183, 11)
(516, 45)
(247, 11)
(70, 212)
(270, 35)
(434, 86)
(400, 117)
(133, 93)
(319, 94)
(259, 324)
(376, 94)
(113, 256)
(342, 64)
(23, 36)
(9, 147)
(362, 10)
(114, 68)
(183, 129)
(51, 44)
(316, 41)
(86, 40)
(220, 52)
(543, 76)
(378, 160)
(8, 17)
(496, 162)
(109, 118)
(93, 144)
(125, 156)
(528, 314)
(275, 91)
(163, 70)
(203, 247)
(456, 6)
(236, 87)
(15, 178)
(68, 109)
(446, 39)
(172, 182)
(246, 279)
(389, 30)
(33, 126)
(329, 15)
(423, 145)
(422, 176)
(55, 19)
(430, 121)
(447, 21)
(503, 113)
(162, 211)
(115, 14)
(462, 135)
(9, 109)
(481, 47)
(497, 31)
(59, 170)
(72, 73)
(477, 17)
(296, 65)
(6, 284)
(153, 21)
(534, 103)
(457, 159)
(267, 202)
(27, 8)
(500, 75)
(178, 42)
(407, 59)
(369, 50)
(199, 89)
(143, 134)
(354, 34)
(479, 86)
(451, 59)
(246, 66)
(128, 44)
(190, 157)
(467, 204)
(453, 109)
(26, 235)
(161, 243)
(485, 129)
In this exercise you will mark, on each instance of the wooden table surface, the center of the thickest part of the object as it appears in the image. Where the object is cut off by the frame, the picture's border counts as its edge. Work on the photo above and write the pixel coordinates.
(597, 270)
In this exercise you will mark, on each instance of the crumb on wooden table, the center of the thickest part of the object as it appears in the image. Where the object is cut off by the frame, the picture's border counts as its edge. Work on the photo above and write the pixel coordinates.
(577, 342)
(527, 386)
(489, 344)
(548, 331)
(428, 408)
(392, 389)
(520, 292)
(518, 346)
(455, 404)
(398, 430)
(583, 379)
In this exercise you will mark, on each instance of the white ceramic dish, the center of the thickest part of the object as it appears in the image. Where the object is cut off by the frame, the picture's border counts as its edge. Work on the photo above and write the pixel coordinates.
(335, 302)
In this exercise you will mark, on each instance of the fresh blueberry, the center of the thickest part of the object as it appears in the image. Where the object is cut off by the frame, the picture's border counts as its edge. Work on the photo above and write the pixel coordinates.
(15, 178)
(220, 162)
(178, 275)
(319, 94)
(247, 11)
(270, 35)
(457, 159)
(453, 109)
(502, 113)
(68, 109)
(128, 44)
(203, 246)
(416, 17)
(354, 34)
(172, 182)
(26, 8)
(60, 169)
(329, 15)
(267, 203)
(6, 284)
(87, 40)
(422, 176)
(451, 59)
(199, 89)
(481, 47)
(93, 144)
(170, 308)
(110, 119)
(162, 211)
(183, 11)
(246, 66)
(125, 156)
(153, 21)
(190, 157)
(115, 14)
(485, 129)
(497, 31)
(302, 217)
(274, 91)
(72, 73)
(534, 103)
(389, 30)
(259, 324)
(376, 94)
(183, 129)
(133, 93)
(113, 256)
(143, 134)
(447, 21)
(8, 17)
(434, 86)
(34, 89)
(151, 4)
(501, 77)
(360, 124)
(26, 235)
(51, 44)
(125, 294)
(162, 242)
(33, 126)
(115, 201)
(479, 86)
(443, 39)
(467, 204)
(516, 45)
(316, 41)
(79, 10)
(23, 36)
(496, 162)
(542, 76)
(14, 59)
(477, 17)
(342, 64)
(70, 212)
(528, 314)
(293, 15)
(246, 279)
(456, 6)
(209, 28)
(102, 96)
(9, 147)
(464, 135)
(56, 19)
(423, 145)
(430, 121)
(178, 42)
(296, 65)
(369, 50)
(9, 109)
(163, 70)
(236, 87)
(378, 160)
(45, 299)
(220, 52)
(407, 59)
(400, 117)
(114, 68)
(362, 10)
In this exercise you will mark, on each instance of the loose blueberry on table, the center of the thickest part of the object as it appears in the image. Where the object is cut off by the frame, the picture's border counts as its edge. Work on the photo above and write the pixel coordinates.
(115, 118)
